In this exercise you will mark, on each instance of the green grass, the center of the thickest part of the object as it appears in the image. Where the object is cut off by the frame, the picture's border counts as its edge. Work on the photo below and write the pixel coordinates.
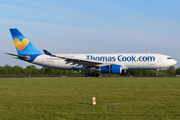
(71, 98)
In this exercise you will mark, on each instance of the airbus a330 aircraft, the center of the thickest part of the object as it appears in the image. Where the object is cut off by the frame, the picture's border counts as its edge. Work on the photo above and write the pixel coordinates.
(94, 63)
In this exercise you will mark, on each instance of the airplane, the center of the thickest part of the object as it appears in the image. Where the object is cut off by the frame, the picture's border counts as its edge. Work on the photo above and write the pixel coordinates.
(105, 63)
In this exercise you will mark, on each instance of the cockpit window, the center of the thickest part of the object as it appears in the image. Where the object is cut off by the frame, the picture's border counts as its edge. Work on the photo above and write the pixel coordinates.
(169, 58)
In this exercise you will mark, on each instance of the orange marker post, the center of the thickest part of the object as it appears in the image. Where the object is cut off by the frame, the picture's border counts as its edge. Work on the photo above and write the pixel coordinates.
(94, 100)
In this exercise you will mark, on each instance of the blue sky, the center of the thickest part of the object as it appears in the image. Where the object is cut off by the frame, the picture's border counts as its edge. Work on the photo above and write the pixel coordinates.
(92, 26)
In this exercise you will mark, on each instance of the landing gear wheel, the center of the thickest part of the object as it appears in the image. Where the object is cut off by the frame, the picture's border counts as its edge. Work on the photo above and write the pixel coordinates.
(97, 74)
(87, 75)
(92, 74)
(157, 74)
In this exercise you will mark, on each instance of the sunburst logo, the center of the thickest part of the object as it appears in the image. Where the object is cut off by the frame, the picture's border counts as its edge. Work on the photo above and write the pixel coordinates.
(20, 45)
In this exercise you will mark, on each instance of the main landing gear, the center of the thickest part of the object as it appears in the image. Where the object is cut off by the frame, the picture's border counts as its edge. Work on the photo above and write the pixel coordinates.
(92, 75)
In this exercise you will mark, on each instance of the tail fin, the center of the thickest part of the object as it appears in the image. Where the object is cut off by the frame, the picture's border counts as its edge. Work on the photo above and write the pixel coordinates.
(23, 46)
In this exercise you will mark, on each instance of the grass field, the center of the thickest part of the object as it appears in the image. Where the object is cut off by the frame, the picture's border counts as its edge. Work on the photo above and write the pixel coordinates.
(71, 98)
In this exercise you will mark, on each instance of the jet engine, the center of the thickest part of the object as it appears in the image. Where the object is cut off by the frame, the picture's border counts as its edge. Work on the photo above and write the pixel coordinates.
(112, 69)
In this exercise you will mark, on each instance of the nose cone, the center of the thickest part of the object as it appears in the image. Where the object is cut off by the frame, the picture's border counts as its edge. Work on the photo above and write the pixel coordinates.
(174, 62)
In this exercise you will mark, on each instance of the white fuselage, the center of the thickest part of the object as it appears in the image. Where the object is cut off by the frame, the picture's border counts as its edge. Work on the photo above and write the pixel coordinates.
(127, 61)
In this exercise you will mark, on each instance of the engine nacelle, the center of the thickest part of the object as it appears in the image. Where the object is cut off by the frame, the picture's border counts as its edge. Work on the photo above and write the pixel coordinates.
(113, 69)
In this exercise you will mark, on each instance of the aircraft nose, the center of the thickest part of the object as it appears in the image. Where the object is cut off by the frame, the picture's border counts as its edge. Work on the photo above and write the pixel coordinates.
(174, 62)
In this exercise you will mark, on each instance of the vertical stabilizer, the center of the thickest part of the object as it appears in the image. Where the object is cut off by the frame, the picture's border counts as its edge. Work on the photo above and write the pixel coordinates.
(22, 44)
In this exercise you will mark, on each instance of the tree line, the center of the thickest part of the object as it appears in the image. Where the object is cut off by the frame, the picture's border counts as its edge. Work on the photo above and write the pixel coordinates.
(32, 71)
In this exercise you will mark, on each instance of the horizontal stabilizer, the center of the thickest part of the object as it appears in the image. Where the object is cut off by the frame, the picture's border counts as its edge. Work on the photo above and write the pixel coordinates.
(19, 56)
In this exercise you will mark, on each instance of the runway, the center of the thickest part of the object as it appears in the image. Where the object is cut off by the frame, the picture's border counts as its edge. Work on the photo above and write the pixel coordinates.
(94, 77)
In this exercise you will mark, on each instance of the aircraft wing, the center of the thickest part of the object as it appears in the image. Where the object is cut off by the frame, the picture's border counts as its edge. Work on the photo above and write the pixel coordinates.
(77, 61)
(80, 61)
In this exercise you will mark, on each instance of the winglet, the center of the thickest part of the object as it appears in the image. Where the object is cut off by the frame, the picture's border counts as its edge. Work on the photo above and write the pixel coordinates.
(47, 52)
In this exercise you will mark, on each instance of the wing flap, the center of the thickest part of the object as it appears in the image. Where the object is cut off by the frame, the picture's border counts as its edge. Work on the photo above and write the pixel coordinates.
(81, 62)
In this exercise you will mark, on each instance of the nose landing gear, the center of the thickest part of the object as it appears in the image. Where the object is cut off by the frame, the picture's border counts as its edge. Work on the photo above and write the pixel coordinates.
(157, 73)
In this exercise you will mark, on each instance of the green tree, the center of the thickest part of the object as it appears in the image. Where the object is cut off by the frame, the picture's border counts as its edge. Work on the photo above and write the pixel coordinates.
(7, 70)
(32, 70)
(17, 70)
(52, 71)
(171, 71)
(60, 72)
(147, 73)
(178, 71)
(1, 70)
(43, 70)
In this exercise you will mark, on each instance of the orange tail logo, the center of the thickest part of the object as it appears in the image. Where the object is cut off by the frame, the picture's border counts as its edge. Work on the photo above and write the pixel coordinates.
(20, 45)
